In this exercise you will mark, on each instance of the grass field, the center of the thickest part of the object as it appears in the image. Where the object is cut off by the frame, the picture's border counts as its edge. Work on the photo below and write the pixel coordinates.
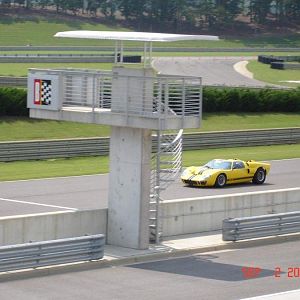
(263, 72)
(21, 69)
(37, 30)
(14, 129)
(96, 165)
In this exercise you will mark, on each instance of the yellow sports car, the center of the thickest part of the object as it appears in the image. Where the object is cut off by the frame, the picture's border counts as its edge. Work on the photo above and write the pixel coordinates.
(219, 172)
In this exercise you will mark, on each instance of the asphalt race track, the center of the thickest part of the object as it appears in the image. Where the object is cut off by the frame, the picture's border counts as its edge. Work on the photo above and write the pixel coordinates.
(213, 70)
(90, 192)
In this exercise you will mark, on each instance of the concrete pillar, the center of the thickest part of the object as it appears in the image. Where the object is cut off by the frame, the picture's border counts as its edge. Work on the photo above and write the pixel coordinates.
(130, 161)
(129, 187)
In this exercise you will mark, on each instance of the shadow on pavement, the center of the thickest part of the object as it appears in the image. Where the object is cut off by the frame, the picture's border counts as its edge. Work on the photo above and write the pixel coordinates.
(202, 266)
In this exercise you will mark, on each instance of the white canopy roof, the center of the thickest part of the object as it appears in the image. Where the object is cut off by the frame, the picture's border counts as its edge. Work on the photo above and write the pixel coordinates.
(133, 36)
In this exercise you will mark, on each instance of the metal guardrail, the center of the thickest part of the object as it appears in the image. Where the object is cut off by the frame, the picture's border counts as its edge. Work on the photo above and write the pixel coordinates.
(65, 58)
(240, 138)
(13, 81)
(260, 226)
(55, 252)
(28, 150)
(13, 151)
(254, 48)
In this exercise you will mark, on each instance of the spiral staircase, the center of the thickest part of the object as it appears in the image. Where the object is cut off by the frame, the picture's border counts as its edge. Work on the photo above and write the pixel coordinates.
(166, 166)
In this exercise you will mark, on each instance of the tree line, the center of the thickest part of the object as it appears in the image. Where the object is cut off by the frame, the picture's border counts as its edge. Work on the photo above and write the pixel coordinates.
(176, 15)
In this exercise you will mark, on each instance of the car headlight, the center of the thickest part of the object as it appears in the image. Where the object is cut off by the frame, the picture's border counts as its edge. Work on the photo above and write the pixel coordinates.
(205, 177)
(185, 173)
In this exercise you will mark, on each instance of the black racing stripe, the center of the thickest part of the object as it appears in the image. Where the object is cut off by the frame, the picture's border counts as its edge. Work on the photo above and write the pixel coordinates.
(248, 177)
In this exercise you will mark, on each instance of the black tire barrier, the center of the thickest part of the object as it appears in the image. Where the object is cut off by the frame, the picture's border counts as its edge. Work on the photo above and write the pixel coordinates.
(265, 59)
(269, 59)
(131, 58)
(285, 66)
(277, 65)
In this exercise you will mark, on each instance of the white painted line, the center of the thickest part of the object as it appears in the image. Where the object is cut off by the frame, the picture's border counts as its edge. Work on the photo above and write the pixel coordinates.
(232, 195)
(52, 213)
(241, 67)
(288, 295)
(53, 178)
(285, 159)
(39, 204)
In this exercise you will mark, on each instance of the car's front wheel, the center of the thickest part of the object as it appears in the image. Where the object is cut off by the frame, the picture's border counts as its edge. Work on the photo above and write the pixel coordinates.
(221, 181)
(259, 176)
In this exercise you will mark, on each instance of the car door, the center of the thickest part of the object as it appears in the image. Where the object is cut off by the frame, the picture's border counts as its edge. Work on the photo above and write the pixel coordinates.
(240, 172)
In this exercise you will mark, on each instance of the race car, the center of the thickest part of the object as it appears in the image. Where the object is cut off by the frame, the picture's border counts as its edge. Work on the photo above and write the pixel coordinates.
(219, 172)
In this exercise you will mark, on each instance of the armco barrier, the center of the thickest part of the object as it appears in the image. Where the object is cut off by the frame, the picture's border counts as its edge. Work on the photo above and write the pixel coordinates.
(62, 251)
(51, 226)
(195, 215)
(254, 48)
(13, 151)
(65, 58)
(235, 229)
(13, 81)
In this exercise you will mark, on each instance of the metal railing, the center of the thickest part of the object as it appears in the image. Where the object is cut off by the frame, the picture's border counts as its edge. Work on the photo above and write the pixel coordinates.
(154, 97)
(260, 226)
(55, 252)
(13, 151)
(22, 82)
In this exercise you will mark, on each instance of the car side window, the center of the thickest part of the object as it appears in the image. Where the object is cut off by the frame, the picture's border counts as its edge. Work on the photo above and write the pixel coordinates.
(238, 165)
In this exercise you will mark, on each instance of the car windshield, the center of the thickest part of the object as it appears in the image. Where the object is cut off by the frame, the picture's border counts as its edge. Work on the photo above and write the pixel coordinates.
(219, 164)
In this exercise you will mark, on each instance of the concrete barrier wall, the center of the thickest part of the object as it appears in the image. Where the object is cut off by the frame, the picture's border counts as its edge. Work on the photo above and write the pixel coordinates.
(182, 216)
(49, 226)
(195, 215)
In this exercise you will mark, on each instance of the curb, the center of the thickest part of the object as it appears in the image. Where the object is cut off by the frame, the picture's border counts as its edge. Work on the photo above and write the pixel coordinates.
(172, 253)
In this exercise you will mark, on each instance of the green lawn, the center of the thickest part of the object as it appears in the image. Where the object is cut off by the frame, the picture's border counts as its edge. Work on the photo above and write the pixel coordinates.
(33, 30)
(96, 165)
(21, 69)
(263, 72)
(13, 129)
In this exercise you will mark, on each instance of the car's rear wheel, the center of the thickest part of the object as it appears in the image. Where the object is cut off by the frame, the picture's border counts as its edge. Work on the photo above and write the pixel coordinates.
(259, 176)
(221, 181)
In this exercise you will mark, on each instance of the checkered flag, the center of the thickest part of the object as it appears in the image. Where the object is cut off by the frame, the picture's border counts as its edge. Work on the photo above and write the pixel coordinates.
(46, 91)
(42, 92)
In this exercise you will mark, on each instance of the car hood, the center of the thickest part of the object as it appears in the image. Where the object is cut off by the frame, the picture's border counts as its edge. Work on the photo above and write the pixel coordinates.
(201, 171)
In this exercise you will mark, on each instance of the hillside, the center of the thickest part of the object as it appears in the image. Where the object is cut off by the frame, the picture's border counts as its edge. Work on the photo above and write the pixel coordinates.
(22, 27)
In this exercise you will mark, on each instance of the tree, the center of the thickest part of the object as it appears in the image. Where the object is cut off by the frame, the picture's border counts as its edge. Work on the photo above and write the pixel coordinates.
(109, 8)
(133, 10)
(44, 3)
(92, 6)
(259, 10)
